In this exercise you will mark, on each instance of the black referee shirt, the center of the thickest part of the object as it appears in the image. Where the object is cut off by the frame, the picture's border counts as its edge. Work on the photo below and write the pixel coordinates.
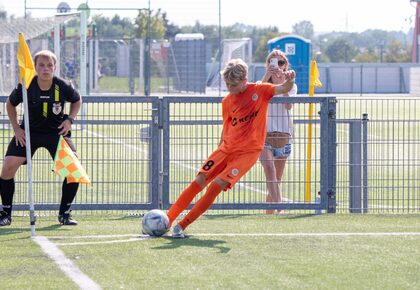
(46, 108)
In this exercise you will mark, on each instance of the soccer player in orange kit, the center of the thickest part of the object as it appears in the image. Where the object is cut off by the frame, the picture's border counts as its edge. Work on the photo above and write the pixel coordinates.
(244, 112)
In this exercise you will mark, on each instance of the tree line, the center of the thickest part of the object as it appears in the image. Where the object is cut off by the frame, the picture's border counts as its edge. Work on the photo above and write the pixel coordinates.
(369, 46)
(373, 45)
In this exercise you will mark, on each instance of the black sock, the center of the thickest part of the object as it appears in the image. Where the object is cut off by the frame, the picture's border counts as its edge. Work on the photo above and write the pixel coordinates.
(69, 192)
(7, 189)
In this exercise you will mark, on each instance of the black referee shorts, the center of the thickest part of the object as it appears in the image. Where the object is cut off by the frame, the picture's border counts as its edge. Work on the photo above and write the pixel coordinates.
(48, 141)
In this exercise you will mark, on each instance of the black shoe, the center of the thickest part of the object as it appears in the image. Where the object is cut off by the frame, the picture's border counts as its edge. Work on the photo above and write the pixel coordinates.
(5, 219)
(67, 220)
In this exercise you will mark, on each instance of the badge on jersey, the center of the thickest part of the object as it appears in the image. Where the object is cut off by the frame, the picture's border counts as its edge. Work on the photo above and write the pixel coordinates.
(56, 108)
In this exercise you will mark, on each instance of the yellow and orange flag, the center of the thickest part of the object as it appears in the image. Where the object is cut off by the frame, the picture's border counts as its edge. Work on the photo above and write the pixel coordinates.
(26, 65)
(67, 165)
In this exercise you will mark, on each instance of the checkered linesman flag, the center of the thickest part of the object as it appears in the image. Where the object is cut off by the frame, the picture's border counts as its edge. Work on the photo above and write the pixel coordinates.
(67, 165)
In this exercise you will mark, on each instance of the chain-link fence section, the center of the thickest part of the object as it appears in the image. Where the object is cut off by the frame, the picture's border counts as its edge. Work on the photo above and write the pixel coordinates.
(59, 33)
(189, 63)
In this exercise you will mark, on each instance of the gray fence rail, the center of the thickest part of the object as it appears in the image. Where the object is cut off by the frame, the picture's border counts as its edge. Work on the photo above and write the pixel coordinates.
(358, 78)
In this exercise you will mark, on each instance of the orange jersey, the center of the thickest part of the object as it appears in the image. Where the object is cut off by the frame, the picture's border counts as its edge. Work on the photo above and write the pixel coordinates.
(245, 118)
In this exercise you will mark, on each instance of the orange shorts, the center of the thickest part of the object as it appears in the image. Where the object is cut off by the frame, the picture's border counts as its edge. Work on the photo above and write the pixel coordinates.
(229, 167)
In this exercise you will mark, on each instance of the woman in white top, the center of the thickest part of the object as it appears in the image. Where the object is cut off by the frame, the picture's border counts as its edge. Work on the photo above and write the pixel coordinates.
(279, 129)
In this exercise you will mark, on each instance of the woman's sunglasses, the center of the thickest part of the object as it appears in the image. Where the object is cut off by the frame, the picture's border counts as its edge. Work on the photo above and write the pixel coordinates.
(281, 62)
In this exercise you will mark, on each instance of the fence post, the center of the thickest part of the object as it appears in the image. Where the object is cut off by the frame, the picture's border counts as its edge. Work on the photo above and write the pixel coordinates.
(165, 155)
(355, 167)
(365, 119)
(332, 158)
(328, 154)
(155, 161)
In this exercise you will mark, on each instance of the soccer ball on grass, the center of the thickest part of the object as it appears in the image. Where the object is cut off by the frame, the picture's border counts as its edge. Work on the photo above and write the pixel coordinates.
(155, 223)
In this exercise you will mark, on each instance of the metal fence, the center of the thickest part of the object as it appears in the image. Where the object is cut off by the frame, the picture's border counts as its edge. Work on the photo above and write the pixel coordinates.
(192, 129)
(188, 66)
(385, 153)
(122, 167)
(358, 78)
(141, 152)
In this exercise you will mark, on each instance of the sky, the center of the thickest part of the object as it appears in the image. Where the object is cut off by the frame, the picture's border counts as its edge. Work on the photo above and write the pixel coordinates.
(325, 15)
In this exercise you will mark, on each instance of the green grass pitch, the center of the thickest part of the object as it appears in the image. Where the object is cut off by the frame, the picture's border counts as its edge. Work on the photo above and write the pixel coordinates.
(223, 252)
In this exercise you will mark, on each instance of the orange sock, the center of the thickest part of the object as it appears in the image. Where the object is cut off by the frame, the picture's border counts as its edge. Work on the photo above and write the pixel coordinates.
(183, 201)
(202, 205)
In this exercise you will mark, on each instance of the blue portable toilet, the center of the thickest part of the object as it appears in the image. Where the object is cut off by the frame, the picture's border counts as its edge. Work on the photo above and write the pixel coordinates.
(298, 51)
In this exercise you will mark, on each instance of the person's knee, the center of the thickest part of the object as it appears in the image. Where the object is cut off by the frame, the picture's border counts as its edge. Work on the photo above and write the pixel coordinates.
(222, 183)
(268, 166)
(201, 180)
(10, 166)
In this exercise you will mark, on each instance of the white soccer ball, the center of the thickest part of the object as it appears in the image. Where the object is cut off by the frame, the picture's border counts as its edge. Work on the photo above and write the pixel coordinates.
(155, 223)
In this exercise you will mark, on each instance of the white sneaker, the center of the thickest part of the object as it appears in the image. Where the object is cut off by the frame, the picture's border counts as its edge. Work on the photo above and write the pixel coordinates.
(178, 232)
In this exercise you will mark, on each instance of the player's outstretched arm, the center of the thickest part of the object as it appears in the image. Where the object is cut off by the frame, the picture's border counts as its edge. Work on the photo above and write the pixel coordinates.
(287, 85)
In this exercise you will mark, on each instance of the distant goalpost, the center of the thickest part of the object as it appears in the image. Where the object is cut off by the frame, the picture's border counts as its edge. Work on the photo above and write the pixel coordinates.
(44, 33)
(231, 48)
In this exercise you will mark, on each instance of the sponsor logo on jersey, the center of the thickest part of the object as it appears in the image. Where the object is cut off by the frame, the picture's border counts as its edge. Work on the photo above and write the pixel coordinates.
(245, 119)
(254, 97)
(235, 172)
(44, 97)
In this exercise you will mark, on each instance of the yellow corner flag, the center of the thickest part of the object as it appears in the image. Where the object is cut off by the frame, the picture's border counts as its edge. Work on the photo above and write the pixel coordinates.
(313, 82)
(314, 78)
(26, 65)
(67, 165)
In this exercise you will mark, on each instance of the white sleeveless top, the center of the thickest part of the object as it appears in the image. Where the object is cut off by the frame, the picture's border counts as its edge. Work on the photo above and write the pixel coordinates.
(279, 118)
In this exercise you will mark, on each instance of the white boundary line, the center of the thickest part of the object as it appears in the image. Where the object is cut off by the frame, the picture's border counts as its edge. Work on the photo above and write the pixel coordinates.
(398, 234)
(65, 264)
(135, 238)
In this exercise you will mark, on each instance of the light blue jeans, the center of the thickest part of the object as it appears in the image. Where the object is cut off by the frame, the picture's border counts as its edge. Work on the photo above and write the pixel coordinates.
(280, 152)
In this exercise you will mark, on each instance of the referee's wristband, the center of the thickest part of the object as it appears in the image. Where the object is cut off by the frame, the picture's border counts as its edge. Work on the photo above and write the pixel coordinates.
(70, 119)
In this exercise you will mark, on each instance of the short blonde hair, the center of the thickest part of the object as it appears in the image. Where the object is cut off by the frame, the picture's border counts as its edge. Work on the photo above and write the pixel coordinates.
(45, 53)
(235, 71)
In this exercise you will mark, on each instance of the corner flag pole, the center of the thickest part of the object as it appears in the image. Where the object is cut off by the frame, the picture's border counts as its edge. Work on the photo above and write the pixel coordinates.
(313, 82)
(27, 72)
(28, 158)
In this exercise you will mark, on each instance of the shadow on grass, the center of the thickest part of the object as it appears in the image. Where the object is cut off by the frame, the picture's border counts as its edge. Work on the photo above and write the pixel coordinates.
(236, 216)
(226, 216)
(300, 216)
(193, 242)
(12, 231)
(54, 227)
